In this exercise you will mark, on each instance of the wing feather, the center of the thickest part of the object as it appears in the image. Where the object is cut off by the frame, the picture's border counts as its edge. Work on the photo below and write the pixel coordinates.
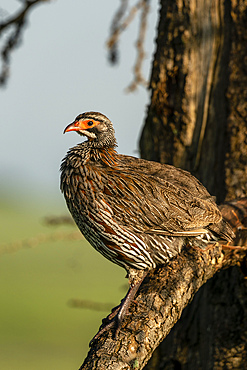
(153, 204)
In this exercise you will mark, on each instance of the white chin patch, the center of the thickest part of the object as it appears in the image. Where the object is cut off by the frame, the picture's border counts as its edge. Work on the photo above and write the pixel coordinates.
(87, 133)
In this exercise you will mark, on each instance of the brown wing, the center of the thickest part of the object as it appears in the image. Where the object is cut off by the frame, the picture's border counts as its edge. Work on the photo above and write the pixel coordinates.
(154, 204)
(176, 176)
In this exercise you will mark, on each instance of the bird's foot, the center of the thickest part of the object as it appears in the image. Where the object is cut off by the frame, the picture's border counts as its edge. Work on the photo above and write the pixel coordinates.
(116, 317)
(107, 323)
(231, 247)
(226, 246)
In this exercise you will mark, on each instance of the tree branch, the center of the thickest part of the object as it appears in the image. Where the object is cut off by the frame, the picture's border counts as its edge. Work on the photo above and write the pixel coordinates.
(160, 301)
(119, 24)
(138, 76)
(15, 25)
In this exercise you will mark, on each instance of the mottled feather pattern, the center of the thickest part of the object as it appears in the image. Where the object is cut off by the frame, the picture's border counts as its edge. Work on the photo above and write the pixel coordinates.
(136, 213)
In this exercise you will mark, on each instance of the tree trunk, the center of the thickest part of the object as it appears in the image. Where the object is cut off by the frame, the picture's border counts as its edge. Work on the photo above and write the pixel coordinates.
(197, 116)
(197, 120)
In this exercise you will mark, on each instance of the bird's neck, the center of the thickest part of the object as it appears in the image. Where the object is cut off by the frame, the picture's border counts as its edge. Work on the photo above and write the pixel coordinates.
(108, 156)
(88, 152)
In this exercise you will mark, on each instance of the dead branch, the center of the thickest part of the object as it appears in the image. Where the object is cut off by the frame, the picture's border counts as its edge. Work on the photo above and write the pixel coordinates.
(112, 43)
(90, 305)
(15, 26)
(32, 242)
(58, 220)
(138, 75)
(120, 24)
(11, 31)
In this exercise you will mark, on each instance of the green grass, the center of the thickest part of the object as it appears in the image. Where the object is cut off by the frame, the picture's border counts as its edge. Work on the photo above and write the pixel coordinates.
(38, 329)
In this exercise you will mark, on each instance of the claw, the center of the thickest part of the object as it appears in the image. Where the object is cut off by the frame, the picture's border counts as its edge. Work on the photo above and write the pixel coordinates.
(116, 317)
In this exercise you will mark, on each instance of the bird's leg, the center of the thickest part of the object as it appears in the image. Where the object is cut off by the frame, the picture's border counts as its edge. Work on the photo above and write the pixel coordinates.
(117, 315)
(125, 304)
(226, 246)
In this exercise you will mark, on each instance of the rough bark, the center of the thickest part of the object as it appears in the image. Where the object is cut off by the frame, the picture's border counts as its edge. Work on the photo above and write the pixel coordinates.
(212, 331)
(236, 94)
(159, 304)
(197, 116)
(197, 120)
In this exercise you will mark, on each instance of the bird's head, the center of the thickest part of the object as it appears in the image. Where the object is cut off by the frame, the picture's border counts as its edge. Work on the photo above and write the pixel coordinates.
(96, 126)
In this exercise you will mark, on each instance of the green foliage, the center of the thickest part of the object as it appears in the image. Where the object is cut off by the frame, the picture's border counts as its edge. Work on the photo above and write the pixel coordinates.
(39, 329)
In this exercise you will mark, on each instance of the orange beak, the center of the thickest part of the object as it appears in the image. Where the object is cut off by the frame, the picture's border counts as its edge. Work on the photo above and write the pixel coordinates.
(72, 127)
(78, 126)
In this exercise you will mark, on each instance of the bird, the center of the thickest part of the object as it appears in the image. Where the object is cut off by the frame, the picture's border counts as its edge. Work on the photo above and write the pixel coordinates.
(139, 214)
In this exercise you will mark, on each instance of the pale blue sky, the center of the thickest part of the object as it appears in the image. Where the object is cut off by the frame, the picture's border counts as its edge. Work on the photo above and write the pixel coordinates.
(59, 71)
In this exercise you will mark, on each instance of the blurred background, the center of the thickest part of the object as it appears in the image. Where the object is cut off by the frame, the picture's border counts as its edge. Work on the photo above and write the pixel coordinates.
(59, 71)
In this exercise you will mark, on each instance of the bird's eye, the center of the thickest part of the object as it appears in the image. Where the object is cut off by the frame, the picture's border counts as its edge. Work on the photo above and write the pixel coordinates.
(90, 123)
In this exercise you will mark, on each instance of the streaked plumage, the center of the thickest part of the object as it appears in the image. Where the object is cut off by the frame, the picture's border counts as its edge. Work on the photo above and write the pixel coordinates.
(137, 213)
